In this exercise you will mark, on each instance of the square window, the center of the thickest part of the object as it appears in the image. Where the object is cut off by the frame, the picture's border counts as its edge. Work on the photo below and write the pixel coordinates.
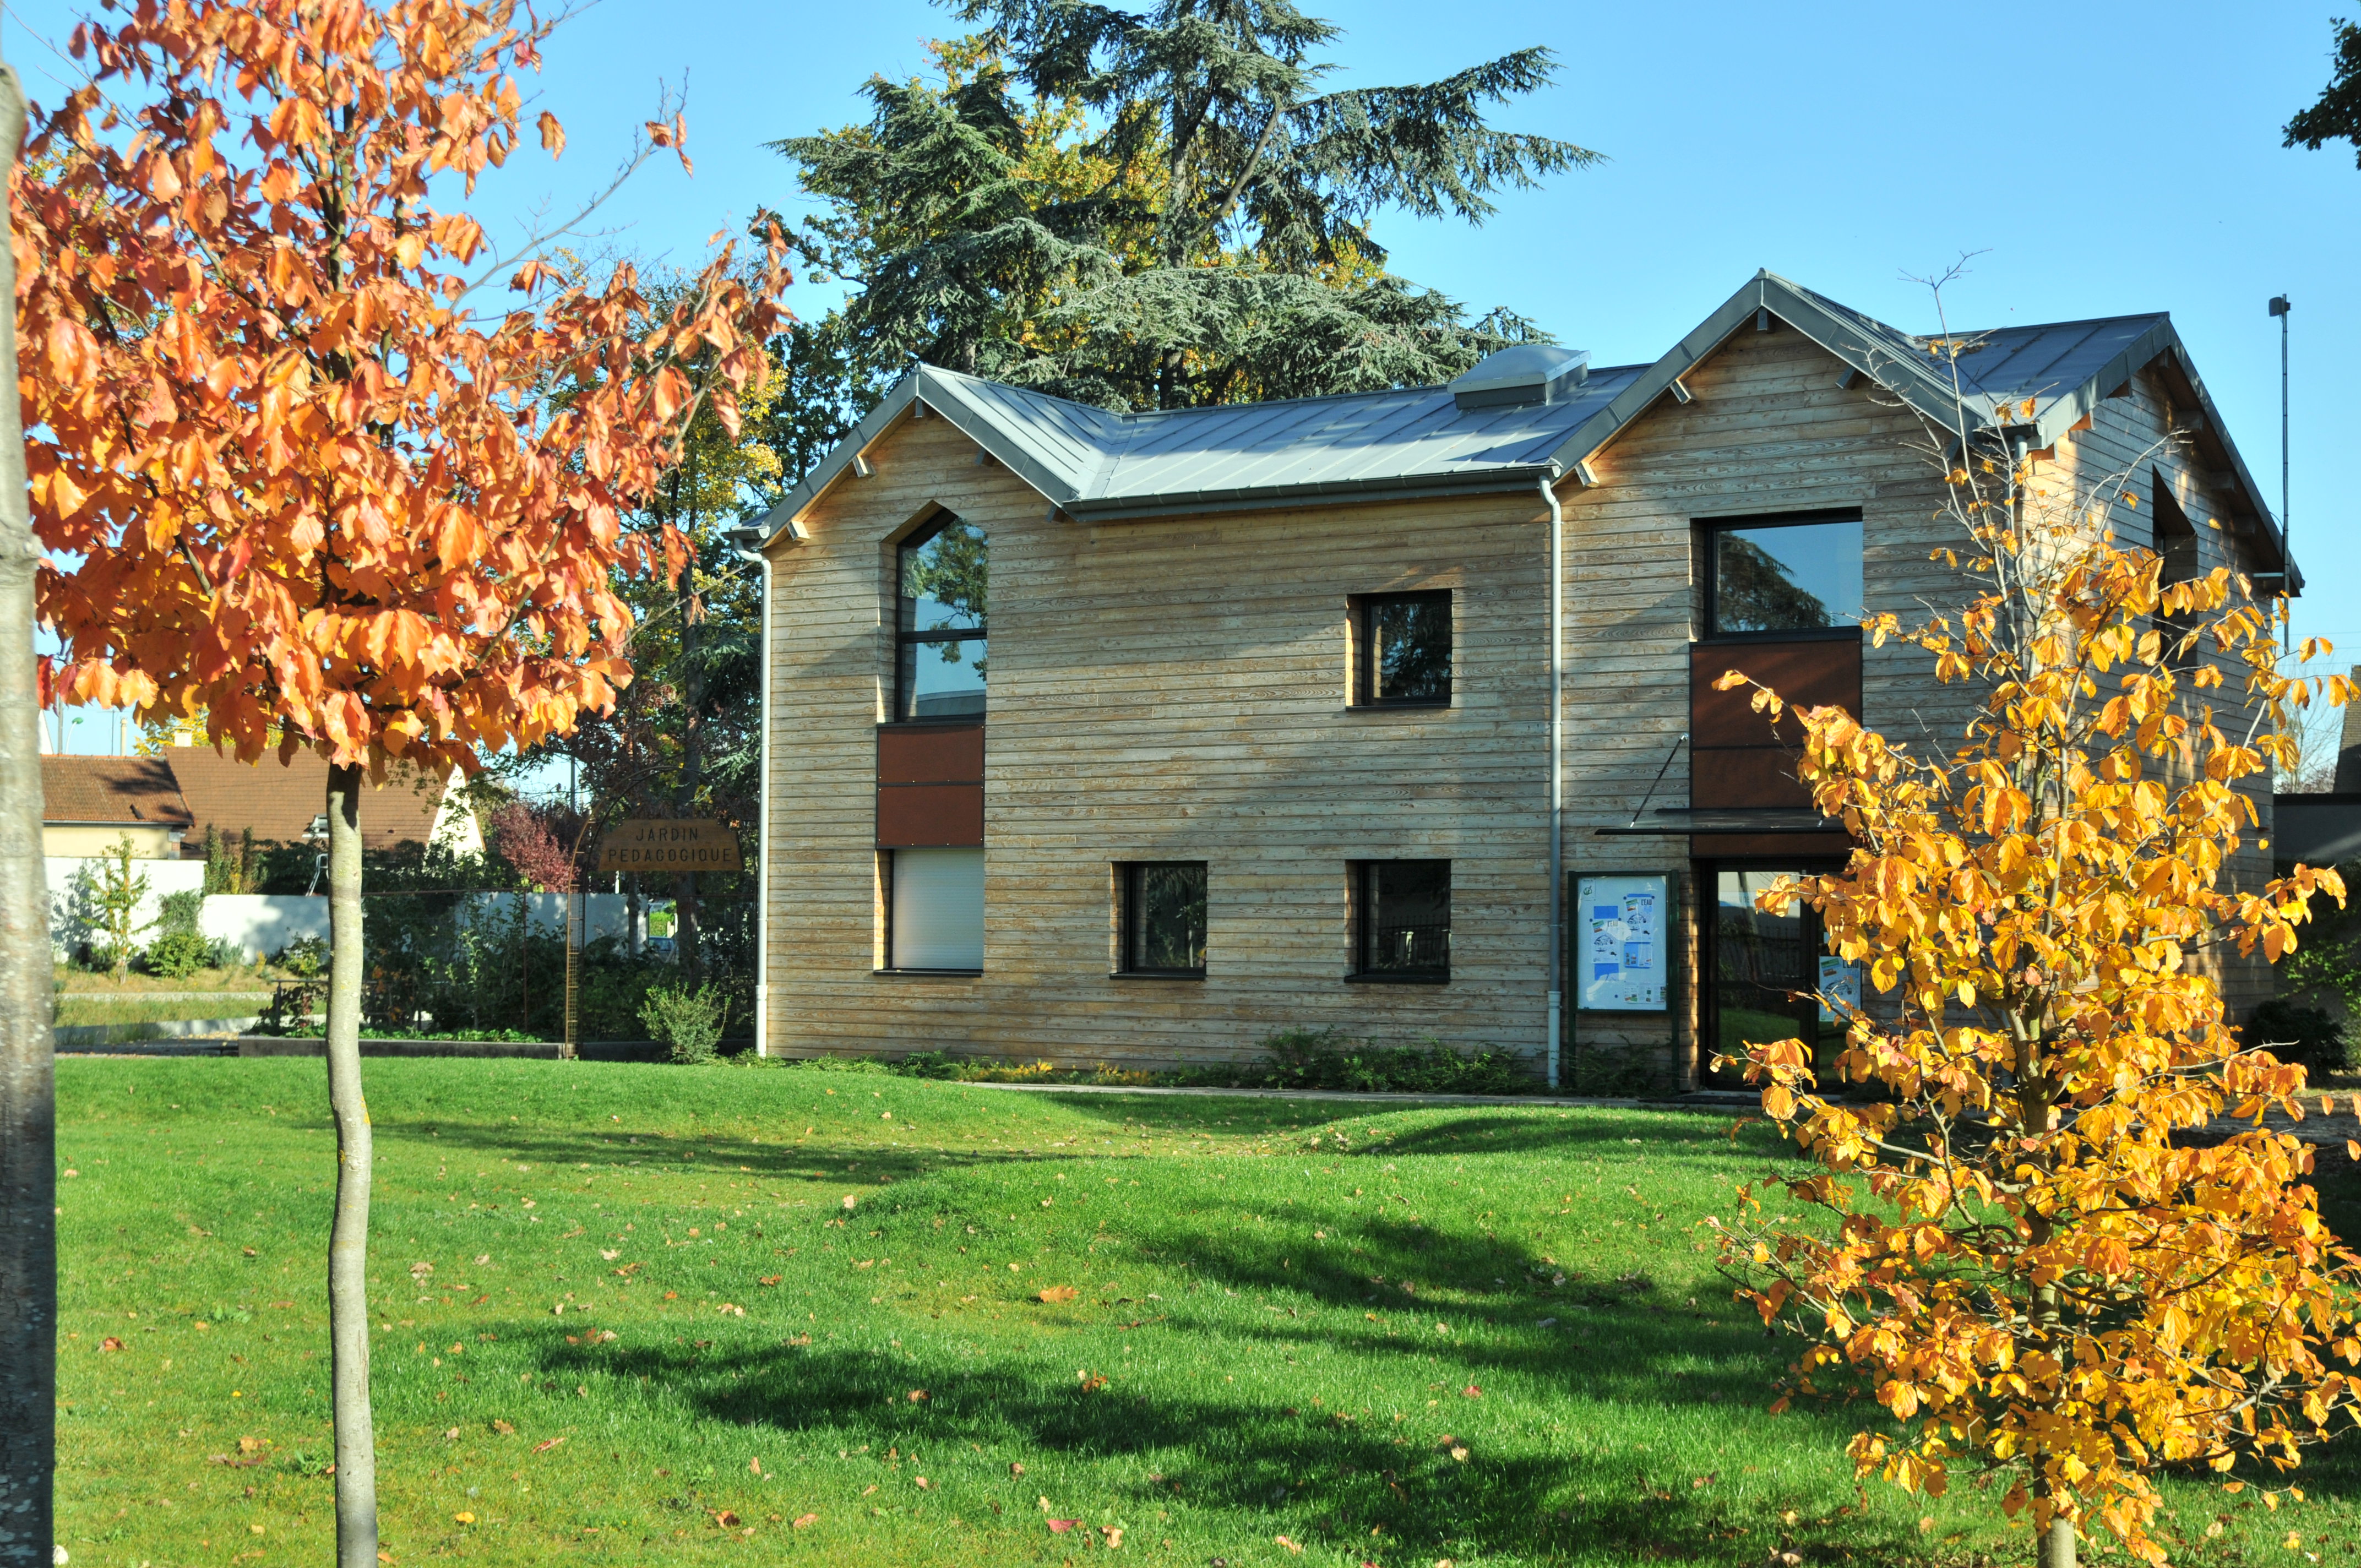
(1163, 924)
(1782, 574)
(935, 917)
(1402, 919)
(1403, 643)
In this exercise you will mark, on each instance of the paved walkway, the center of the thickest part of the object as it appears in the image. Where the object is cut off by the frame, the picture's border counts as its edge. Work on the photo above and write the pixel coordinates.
(1711, 1100)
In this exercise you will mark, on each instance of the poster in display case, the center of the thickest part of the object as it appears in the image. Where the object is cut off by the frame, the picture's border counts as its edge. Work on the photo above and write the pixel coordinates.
(1620, 943)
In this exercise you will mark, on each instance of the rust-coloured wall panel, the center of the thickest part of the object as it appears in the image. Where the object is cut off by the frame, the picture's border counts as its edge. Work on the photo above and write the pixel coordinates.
(930, 816)
(930, 753)
(1806, 674)
(1754, 775)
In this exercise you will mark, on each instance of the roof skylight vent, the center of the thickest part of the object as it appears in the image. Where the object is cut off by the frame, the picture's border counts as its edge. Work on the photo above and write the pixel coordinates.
(1528, 373)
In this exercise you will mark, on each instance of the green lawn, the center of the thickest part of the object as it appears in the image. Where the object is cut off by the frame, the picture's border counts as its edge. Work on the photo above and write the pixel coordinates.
(625, 1315)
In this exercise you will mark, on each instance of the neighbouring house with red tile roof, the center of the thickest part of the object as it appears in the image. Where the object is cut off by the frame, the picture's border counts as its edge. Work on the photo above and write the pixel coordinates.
(90, 802)
(168, 802)
(277, 803)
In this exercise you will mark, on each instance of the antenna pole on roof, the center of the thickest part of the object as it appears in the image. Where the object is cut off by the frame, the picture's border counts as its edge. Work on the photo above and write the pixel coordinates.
(2280, 308)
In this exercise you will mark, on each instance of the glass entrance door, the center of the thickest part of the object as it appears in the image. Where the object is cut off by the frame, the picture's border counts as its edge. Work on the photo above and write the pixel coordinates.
(1763, 972)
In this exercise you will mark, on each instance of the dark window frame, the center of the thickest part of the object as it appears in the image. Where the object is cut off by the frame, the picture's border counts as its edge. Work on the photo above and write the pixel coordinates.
(1365, 929)
(904, 638)
(1706, 530)
(1364, 680)
(1128, 877)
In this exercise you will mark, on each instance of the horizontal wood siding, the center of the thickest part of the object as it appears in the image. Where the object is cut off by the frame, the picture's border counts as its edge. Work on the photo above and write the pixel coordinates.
(1177, 690)
(2132, 436)
(1769, 430)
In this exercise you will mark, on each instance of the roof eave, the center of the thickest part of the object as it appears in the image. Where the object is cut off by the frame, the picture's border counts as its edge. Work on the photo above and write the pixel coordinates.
(1503, 480)
(922, 385)
(1766, 291)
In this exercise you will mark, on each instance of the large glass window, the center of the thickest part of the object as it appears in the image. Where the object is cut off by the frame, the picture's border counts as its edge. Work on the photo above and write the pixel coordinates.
(1402, 918)
(1772, 575)
(1163, 924)
(1765, 971)
(1405, 649)
(940, 631)
(935, 919)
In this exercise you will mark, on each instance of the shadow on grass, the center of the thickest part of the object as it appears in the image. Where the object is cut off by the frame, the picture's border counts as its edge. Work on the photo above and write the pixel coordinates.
(1329, 1475)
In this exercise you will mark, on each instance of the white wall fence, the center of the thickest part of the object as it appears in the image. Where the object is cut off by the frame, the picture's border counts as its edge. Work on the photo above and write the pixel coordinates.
(261, 924)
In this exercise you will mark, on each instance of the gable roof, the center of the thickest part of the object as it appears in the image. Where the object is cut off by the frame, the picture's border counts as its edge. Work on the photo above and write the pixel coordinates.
(2030, 381)
(278, 802)
(111, 792)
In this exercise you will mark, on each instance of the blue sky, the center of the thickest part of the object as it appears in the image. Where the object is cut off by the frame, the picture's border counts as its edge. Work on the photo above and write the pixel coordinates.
(2104, 159)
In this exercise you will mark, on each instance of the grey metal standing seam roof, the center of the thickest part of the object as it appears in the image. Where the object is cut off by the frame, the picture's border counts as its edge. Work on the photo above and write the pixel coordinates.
(1097, 465)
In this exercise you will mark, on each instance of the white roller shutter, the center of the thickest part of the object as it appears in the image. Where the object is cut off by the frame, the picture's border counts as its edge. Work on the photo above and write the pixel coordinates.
(938, 909)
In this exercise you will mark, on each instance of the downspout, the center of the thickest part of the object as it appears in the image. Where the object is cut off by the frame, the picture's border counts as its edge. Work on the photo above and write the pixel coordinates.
(1557, 767)
(763, 824)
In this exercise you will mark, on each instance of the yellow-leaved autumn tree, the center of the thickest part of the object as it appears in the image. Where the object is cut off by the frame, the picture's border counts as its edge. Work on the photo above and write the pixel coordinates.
(318, 469)
(2014, 1242)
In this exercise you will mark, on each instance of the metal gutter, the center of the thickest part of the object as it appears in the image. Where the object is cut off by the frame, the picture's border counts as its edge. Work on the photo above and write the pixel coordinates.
(1556, 772)
(763, 825)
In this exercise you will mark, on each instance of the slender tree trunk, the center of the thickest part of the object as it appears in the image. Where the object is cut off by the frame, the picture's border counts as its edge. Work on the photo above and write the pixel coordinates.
(28, 1230)
(2056, 1549)
(348, 1241)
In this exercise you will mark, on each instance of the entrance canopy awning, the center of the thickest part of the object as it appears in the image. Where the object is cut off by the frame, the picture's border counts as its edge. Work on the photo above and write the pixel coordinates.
(1675, 821)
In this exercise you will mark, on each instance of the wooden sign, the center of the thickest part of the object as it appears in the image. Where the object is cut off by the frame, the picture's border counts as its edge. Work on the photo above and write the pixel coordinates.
(669, 844)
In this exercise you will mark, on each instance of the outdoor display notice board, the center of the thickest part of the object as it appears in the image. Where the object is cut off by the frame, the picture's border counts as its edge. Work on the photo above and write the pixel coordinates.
(669, 844)
(1620, 943)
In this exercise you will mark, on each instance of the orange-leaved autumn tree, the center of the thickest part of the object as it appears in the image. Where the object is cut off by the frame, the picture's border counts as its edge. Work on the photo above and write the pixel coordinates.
(2014, 1242)
(312, 462)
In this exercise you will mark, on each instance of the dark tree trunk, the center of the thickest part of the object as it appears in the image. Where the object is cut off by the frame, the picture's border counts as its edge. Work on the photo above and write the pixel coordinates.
(348, 1240)
(28, 1229)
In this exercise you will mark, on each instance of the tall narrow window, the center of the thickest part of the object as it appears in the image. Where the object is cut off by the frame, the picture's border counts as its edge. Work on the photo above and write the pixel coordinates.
(1404, 643)
(1163, 919)
(934, 920)
(1402, 919)
(940, 630)
(2175, 536)
(1771, 576)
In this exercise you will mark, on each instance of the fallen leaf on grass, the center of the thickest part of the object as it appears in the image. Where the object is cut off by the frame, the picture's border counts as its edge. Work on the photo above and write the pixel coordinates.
(1060, 1527)
(463, 1518)
(1473, 1392)
(770, 1280)
(610, 1255)
(1113, 1534)
(925, 1484)
(1287, 1544)
(545, 1444)
(919, 1395)
(451, 1436)
(109, 1342)
(504, 1428)
(726, 1519)
(1059, 1293)
(870, 1487)
(803, 1519)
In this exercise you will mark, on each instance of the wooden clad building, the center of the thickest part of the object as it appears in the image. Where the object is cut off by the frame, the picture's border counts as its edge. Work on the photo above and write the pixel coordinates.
(1269, 741)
